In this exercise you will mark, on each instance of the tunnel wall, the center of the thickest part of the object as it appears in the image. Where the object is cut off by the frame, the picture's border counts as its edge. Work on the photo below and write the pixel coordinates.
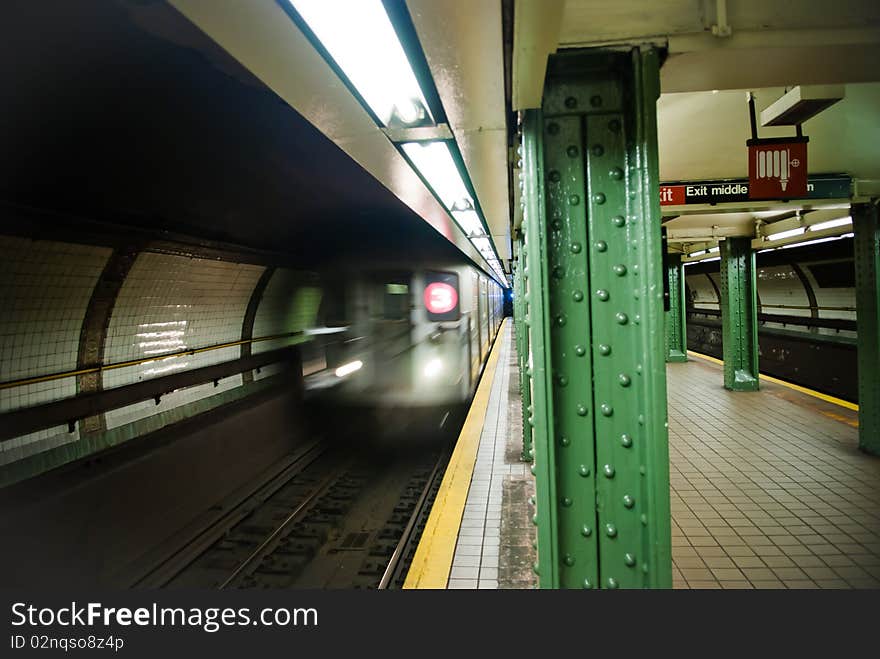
(45, 289)
(108, 529)
(165, 303)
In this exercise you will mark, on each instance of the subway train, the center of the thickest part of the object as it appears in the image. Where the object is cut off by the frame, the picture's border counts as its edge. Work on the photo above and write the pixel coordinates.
(806, 315)
(401, 349)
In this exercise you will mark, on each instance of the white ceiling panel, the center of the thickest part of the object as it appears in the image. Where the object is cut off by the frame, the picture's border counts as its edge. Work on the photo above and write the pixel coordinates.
(462, 42)
(263, 38)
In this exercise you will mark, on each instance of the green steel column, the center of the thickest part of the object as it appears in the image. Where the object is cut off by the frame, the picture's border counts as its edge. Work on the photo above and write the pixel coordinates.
(600, 441)
(739, 315)
(676, 324)
(522, 337)
(866, 247)
(538, 323)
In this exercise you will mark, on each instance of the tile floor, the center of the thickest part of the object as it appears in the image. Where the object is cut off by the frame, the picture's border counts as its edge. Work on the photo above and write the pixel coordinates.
(476, 560)
(767, 490)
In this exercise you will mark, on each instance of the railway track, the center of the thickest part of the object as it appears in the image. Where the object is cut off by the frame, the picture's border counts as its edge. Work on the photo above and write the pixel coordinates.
(336, 517)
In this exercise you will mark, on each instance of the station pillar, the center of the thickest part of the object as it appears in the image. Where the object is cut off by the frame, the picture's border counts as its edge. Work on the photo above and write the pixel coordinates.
(522, 346)
(739, 314)
(676, 323)
(866, 248)
(596, 323)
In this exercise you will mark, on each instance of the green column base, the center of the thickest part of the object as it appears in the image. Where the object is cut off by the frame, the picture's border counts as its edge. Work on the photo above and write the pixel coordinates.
(742, 381)
(676, 357)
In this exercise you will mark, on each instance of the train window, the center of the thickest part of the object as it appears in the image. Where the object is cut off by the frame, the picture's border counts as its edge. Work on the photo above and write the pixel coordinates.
(396, 301)
(441, 296)
(335, 305)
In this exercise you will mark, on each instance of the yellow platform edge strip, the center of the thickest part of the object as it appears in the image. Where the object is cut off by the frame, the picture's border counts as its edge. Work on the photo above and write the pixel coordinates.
(803, 390)
(433, 559)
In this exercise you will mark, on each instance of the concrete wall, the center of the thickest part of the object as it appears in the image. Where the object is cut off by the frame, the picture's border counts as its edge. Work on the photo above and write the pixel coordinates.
(71, 530)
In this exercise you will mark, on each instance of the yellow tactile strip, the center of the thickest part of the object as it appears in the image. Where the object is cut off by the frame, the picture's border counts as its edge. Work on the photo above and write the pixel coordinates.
(803, 390)
(433, 560)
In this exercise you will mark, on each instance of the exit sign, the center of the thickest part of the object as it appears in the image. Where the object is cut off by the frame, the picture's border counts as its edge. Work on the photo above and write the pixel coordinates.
(739, 190)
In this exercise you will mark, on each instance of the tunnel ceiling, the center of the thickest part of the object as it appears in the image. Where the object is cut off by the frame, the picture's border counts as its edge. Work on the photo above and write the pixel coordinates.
(124, 112)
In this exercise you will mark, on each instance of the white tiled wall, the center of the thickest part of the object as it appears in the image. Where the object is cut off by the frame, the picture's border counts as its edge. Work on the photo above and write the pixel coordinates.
(168, 304)
(289, 304)
(45, 289)
(780, 285)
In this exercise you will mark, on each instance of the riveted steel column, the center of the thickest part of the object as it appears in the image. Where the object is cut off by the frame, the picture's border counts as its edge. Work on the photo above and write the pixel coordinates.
(676, 328)
(866, 247)
(522, 336)
(525, 380)
(606, 497)
(539, 365)
(739, 315)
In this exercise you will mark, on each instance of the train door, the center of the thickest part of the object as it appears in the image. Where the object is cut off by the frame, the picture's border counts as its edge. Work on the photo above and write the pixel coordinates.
(475, 325)
(390, 336)
(491, 293)
(484, 315)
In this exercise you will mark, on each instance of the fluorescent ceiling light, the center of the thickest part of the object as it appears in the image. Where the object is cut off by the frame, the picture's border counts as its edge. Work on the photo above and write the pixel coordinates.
(714, 258)
(712, 250)
(435, 164)
(485, 247)
(830, 224)
(786, 234)
(469, 222)
(361, 40)
(816, 241)
(697, 253)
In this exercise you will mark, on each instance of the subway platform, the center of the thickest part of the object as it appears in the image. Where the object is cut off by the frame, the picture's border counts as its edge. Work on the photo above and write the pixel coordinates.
(768, 489)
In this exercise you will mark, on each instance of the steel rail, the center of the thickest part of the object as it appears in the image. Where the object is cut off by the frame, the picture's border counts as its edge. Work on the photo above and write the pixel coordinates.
(161, 574)
(294, 516)
(395, 562)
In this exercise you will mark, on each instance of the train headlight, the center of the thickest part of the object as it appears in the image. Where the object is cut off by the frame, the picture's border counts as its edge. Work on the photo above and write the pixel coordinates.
(349, 368)
(433, 368)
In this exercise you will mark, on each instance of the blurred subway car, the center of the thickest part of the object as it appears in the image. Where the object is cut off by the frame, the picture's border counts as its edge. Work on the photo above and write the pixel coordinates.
(401, 349)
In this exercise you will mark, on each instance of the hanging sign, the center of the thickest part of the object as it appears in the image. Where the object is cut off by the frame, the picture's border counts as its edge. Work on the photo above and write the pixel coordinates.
(778, 168)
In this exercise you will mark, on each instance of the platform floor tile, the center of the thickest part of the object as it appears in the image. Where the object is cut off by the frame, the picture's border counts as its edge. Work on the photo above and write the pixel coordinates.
(494, 547)
(768, 491)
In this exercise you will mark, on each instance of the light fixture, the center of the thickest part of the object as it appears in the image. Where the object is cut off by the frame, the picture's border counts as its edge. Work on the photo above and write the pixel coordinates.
(434, 162)
(697, 253)
(815, 241)
(713, 250)
(786, 234)
(801, 103)
(360, 38)
(469, 222)
(830, 224)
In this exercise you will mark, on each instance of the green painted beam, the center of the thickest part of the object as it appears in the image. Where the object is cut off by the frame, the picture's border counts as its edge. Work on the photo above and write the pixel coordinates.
(676, 323)
(596, 312)
(739, 314)
(866, 248)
